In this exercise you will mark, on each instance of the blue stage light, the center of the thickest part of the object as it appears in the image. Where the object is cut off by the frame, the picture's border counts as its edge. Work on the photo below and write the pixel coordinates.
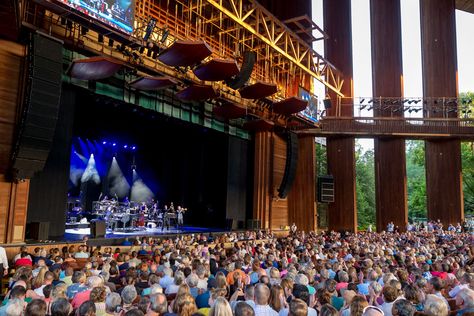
(133, 148)
(125, 146)
(114, 144)
(103, 143)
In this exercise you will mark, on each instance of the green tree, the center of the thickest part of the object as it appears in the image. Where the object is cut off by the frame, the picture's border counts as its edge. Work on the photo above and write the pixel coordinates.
(416, 180)
(365, 187)
(467, 155)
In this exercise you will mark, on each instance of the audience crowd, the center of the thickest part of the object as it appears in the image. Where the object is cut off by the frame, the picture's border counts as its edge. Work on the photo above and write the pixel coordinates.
(419, 272)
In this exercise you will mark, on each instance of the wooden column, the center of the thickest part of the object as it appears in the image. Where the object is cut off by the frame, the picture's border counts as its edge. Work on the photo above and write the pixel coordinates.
(342, 214)
(387, 81)
(13, 196)
(439, 62)
(261, 182)
(13, 208)
(301, 199)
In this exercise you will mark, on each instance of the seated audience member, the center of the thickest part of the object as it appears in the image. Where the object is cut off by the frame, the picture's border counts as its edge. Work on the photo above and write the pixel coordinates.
(61, 307)
(243, 309)
(435, 306)
(403, 307)
(158, 305)
(36, 307)
(465, 300)
(262, 296)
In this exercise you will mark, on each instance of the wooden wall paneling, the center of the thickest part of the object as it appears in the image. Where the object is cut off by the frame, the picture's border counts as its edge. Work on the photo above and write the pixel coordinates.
(261, 194)
(387, 74)
(278, 207)
(11, 57)
(439, 64)
(5, 191)
(342, 214)
(301, 199)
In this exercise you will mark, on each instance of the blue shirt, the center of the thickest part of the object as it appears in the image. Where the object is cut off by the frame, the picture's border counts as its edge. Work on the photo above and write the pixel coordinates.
(202, 300)
(75, 288)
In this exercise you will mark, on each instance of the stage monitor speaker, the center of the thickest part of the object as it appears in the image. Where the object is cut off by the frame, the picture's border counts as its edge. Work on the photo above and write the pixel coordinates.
(245, 71)
(326, 189)
(290, 165)
(41, 107)
(229, 223)
(253, 224)
(37, 230)
(98, 229)
(327, 103)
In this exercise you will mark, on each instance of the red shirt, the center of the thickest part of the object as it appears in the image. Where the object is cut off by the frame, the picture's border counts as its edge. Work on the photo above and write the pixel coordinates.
(80, 298)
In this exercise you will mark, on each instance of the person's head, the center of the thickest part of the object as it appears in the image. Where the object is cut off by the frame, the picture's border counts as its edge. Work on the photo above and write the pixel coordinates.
(298, 308)
(372, 311)
(301, 292)
(112, 301)
(465, 298)
(79, 277)
(243, 309)
(94, 281)
(262, 294)
(249, 292)
(328, 310)
(15, 307)
(358, 304)
(220, 308)
(158, 304)
(390, 293)
(184, 305)
(86, 309)
(98, 294)
(36, 307)
(403, 307)
(436, 284)
(435, 306)
(61, 307)
(129, 294)
(276, 292)
(18, 292)
(134, 312)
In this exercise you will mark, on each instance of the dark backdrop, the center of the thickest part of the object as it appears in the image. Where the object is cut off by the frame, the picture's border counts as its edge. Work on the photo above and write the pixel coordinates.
(199, 168)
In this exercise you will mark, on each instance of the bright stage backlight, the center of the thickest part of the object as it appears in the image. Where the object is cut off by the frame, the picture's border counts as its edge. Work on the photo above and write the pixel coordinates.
(118, 14)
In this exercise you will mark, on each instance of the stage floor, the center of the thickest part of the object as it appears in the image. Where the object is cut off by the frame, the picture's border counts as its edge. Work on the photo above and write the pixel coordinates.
(79, 233)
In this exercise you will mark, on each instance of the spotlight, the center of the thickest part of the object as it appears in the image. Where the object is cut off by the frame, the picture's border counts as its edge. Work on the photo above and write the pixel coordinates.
(133, 148)
(125, 146)
(114, 144)
(149, 29)
(111, 42)
(164, 36)
(103, 143)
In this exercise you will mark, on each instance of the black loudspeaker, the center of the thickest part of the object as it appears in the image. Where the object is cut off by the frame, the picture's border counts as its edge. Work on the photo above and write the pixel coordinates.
(41, 107)
(37, 230)
(327, 103)
(290, 165)
(326, 189)
(245, 71)
(253, 224)
(98, 229)
(229, 224)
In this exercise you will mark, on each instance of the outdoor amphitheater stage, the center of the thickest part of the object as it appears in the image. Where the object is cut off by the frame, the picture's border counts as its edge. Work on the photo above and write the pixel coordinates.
(75, 234)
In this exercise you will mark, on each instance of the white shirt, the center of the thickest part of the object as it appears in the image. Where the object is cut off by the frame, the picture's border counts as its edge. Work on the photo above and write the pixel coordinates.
(172, 289)
(39, 290)
(387, 308)
(3, 258)
(311, 312)
(264, 310)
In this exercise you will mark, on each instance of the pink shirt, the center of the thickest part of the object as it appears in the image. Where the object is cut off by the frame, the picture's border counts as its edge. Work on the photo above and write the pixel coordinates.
(80, 298)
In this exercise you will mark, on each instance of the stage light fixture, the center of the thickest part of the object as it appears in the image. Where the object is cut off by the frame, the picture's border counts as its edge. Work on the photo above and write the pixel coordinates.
(165, 35)
(133, 148)
(149, 29)
(103, 143)
(114, 144)
(362, 100)
(125, 146)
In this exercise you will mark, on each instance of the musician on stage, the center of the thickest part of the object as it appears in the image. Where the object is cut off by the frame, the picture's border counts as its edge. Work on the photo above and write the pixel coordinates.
(180, 212)
(166, 222)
